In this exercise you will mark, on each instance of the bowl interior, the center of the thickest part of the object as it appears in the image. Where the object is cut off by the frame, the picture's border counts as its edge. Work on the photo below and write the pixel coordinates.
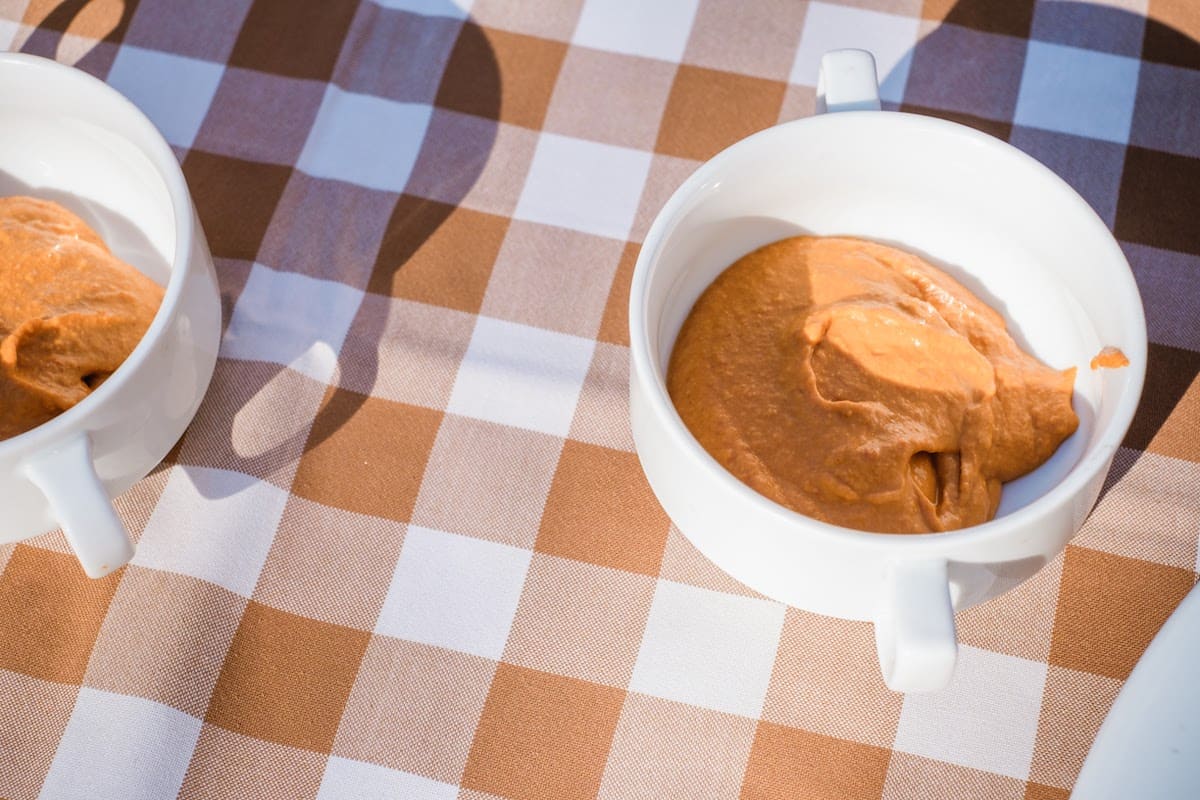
(1008, 228)
(65, 137)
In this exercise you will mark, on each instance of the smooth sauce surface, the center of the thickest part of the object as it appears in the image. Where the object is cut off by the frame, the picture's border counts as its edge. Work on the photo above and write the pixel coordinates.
(70, 311)
(858, 384)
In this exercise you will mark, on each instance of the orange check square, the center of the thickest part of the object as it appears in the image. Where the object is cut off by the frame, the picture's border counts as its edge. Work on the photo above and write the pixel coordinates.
(601, 510)
(1172, 39)
(435, 253)
(542, 735)
(936, 9)
(50, 613)
(236, 230)
(787, 763)
(1109, 608)
(1012, 18)
(1177, 435)
(525, 70)
(286, 678)
(708, 110)
(96, 22)
(614, 324)
(367, 455)
(1037, 791)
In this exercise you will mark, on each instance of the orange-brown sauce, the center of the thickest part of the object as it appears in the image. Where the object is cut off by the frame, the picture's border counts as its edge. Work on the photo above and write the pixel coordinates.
(70, 311)
(860, 385)
(1109, 358)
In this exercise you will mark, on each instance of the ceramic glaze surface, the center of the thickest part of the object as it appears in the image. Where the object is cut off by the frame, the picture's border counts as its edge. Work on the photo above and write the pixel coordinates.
(1013, 232)
(67, 137)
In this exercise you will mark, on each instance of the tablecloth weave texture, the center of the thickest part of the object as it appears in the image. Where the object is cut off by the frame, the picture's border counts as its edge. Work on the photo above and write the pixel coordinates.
(406, 550)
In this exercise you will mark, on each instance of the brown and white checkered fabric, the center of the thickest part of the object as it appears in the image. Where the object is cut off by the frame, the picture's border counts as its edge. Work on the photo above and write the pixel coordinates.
(406, 550)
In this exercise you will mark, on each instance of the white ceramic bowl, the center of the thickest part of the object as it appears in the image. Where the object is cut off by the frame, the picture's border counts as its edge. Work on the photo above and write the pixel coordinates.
(1004, 224)
(67, 137)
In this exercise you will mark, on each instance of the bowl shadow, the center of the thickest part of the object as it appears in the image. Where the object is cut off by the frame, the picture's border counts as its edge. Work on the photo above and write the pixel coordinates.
(225, 424)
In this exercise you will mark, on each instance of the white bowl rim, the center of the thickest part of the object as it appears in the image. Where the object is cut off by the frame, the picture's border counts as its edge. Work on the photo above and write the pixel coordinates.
(644, 363)
(156, 149)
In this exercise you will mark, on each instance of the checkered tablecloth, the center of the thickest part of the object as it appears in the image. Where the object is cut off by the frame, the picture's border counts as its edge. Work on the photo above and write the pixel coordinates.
(406, 550)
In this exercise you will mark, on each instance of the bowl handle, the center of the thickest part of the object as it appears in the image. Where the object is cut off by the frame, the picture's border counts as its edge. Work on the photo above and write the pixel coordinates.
(847, 82)
(914, 630)
(79, 502)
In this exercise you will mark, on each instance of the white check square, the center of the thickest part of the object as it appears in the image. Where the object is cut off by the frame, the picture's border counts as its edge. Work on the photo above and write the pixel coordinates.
(454, 591)
(584, 186)
(8, 33)
(1076, 91)
(120, 746)
(291, 319)
(521, 376)
(657, 29)
(173, 91)
(708, 648)
(418, 347)
(890, 38)
(987, 718)
(346, 779)
(214, 525)
(366, 140)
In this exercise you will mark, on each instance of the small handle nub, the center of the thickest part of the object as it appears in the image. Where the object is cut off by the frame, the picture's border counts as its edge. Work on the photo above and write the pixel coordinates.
(914, 630)
(847, 82)
(66, 476)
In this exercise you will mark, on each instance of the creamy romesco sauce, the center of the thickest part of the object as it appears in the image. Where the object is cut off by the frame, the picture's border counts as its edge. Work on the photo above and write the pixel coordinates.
(858, 384)
(1109, 358)
(70, 311)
